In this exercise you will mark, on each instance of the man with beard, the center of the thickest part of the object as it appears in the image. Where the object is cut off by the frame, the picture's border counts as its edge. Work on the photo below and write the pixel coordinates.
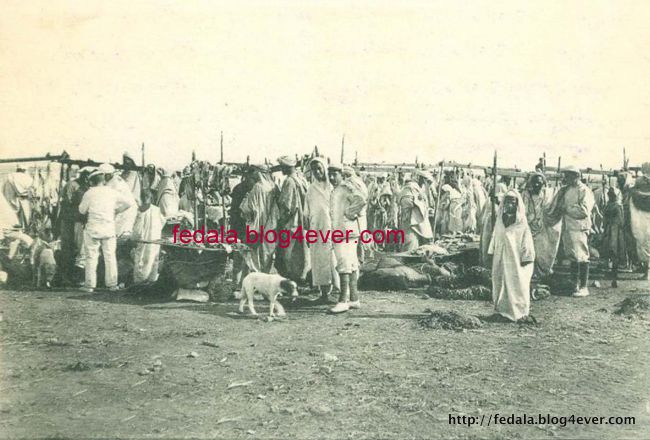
(512, 253)
(573, 204)
(259, 210)
(317, 215)
(293, 260)
(537, 198)
(346, 204)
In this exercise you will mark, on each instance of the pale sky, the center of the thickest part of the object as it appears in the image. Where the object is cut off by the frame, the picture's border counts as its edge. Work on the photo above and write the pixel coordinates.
(438, 80)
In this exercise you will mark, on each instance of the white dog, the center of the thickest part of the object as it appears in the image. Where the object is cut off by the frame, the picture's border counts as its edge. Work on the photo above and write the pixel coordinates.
(269, 286)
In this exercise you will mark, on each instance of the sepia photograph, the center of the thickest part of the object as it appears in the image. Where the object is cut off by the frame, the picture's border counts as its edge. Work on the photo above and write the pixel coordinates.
(323, 219)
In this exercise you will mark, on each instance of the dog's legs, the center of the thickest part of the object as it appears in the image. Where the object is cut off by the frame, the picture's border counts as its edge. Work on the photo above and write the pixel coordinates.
(39, 276)
(242, 300)
(251, 306)
(280, 309)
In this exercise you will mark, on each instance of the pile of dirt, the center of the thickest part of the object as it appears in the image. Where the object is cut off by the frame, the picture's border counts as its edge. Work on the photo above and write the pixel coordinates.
(476, 293)
(448, 320)
(634, 306)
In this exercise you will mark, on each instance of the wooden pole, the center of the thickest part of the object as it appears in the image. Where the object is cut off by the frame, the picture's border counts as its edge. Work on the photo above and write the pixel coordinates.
(435, 214)
(205, 203)
(222, 193)
(59, 197)
(143, 155)
(494, 188)
(342, 148)
(559, 169)
(221, 160)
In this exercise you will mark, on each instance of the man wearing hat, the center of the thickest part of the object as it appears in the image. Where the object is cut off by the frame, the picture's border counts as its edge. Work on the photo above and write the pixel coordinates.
(100, 204)
(70, 223)
(575, 201)
(346, 204)
(124, 221)
(292, 261)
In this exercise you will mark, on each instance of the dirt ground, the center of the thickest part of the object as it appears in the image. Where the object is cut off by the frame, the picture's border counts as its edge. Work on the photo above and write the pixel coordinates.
(115, 365)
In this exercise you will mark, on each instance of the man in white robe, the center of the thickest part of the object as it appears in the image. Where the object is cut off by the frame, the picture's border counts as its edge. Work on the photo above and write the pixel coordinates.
(413, 216)
(16, 190)
(131, 176)
(167, 194)
(468, 205)
(451, 206)
(148, 226)
(317, 213)
(640, 217)
(513, 254)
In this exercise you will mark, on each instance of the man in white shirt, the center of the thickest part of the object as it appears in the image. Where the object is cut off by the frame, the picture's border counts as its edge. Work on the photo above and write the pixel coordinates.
(101, 204)
(125, 220)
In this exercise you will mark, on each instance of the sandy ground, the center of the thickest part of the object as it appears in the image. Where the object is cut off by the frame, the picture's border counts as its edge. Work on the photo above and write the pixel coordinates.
(114, 365)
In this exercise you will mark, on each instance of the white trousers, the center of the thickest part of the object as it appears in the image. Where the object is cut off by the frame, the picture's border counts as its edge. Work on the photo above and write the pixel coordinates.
(91, 246)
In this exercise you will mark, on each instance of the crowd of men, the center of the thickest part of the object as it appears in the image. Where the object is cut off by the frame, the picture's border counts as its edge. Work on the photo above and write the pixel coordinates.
(523, 226)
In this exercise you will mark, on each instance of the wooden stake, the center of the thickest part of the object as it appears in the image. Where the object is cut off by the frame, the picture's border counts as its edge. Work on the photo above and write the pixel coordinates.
(221, 159)
(494, 189)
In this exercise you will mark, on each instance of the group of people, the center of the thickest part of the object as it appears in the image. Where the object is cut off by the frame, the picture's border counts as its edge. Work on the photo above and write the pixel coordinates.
(102, 204)
(322, 197)
(523, 226)
(535, 226)
(420, 203)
